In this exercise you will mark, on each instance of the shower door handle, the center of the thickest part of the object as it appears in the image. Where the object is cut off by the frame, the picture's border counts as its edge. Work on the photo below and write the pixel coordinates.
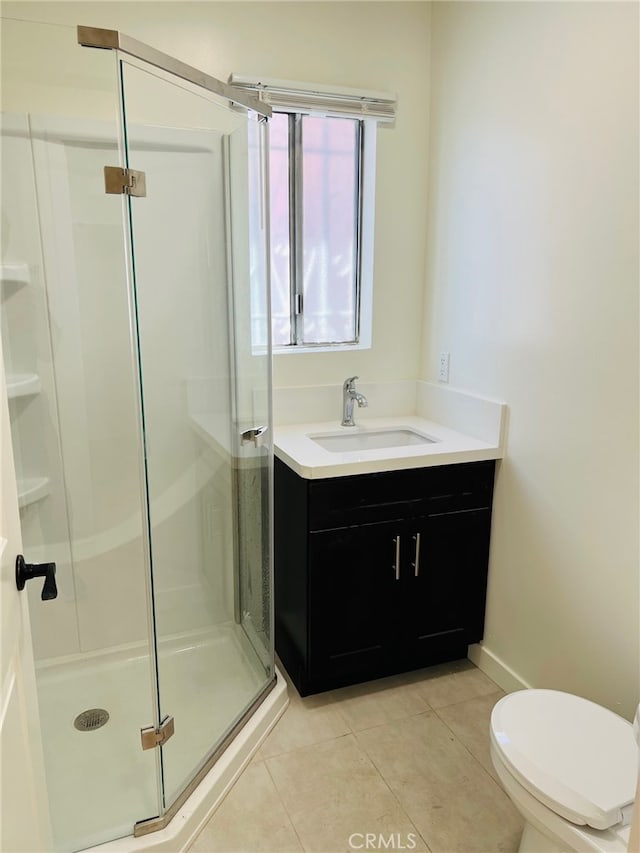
(255, 435)
(27, 571)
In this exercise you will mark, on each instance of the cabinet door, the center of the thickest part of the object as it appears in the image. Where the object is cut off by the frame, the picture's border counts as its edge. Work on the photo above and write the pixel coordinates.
(444, 590)
(353, 598)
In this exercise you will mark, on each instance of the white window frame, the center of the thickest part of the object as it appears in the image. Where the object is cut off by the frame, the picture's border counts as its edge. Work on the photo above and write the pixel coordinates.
(371, 108)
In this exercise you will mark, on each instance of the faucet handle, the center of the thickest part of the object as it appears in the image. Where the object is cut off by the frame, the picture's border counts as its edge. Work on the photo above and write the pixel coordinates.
(348, 383)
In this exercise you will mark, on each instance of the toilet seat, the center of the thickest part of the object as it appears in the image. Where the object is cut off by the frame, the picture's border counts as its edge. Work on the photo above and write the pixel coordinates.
(561, 835)
(572, 755)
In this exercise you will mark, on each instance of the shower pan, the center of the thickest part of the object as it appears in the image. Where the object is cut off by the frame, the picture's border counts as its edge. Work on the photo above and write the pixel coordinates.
(135, 330)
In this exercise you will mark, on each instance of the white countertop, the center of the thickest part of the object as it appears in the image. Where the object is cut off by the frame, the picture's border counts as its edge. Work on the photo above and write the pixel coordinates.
(293, 446)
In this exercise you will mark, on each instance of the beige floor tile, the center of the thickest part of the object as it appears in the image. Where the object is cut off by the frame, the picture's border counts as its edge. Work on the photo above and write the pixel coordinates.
(333, 793)
(375, 702)
(448, 668)
(469, 721)
(456, 806)
(250, 819)
(305, 722)
(450, 683)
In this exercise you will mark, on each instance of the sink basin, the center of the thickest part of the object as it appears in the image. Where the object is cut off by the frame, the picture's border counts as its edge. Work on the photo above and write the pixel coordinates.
(341, 442)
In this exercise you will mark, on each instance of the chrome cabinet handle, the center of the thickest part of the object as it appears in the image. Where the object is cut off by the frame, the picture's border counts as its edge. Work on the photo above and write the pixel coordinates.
(416, 563)
(396, 567)
(253, 435)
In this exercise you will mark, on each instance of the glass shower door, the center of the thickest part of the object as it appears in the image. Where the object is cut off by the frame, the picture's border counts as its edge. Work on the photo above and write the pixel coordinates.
(204, 381)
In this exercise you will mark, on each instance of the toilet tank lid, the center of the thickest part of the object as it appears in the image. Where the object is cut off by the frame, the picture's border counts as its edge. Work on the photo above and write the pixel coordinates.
(577, 758)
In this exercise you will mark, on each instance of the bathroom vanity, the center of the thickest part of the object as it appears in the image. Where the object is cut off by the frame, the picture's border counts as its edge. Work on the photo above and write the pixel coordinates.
(382, 572)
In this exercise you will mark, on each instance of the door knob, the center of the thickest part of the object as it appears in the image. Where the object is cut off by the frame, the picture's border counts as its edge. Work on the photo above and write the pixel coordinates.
(27, 571)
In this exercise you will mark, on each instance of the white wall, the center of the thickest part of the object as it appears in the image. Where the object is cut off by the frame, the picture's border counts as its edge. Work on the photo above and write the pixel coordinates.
(378, 45)
(533, 288)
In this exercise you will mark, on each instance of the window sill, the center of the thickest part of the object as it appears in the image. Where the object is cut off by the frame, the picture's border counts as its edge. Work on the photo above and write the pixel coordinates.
(297, 350)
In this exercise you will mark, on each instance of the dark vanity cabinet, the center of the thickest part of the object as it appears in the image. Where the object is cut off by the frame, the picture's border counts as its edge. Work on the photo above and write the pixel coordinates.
(379, 573)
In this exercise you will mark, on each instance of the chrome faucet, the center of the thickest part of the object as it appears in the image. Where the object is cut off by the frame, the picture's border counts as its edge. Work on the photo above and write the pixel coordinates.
(349, 397)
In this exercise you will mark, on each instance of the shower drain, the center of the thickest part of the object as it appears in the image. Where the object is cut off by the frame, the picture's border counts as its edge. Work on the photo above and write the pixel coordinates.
(92, 719)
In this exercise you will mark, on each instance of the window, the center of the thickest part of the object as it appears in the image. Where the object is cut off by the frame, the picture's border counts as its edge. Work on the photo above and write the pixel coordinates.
(322, 168)
(315, 167)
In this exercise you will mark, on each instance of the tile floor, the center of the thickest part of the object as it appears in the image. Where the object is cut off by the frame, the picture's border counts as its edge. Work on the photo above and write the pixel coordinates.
(405, 759)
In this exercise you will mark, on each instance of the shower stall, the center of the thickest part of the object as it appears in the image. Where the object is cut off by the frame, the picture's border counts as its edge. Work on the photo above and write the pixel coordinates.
(135, 332)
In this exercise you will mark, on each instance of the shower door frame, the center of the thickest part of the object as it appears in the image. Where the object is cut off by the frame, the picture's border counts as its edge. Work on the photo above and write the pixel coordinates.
(115, 40)
(106, 39)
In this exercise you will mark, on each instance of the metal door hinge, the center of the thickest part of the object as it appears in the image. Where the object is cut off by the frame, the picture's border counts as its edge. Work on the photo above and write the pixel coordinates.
(119, 181)
(152, 737)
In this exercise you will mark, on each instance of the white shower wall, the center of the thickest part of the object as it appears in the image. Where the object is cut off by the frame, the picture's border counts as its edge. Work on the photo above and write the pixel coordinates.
(86, 285)
(101, 579)
(27, 350)
(184, 335)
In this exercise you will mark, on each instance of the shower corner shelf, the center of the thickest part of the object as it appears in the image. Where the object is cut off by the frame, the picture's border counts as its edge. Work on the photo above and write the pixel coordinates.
(14, 274)
(23, 385)
(32, 489)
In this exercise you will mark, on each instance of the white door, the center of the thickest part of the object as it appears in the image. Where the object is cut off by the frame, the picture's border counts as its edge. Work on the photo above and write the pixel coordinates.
(24, 810)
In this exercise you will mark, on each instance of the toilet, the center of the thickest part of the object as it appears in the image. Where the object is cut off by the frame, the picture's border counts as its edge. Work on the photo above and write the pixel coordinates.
(570, 768)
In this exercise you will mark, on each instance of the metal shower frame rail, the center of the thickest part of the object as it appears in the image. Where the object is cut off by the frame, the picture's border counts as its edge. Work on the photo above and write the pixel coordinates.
(115, 40)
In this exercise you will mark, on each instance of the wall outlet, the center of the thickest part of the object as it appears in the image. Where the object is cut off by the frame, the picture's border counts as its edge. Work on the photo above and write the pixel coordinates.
(443, 367)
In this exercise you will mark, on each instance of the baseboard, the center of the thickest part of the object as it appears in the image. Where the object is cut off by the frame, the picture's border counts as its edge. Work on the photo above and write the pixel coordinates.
(496, 669)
